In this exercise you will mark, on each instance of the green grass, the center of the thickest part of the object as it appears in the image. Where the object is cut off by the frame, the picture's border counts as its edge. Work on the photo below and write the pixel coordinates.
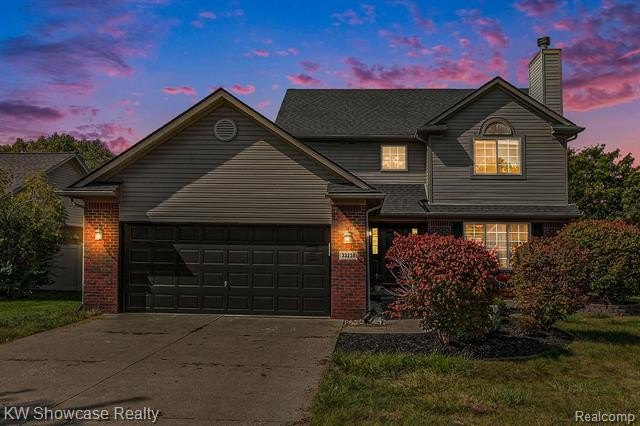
(43, 311)
(600, 370)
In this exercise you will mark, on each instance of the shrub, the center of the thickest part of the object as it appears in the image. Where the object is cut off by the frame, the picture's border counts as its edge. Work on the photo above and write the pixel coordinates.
(614, 257)
(31, 224)
(448, 282)
(549, 280)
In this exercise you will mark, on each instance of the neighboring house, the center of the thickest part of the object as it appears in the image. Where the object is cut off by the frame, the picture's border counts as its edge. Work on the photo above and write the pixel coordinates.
(222, 210)
(61, 169)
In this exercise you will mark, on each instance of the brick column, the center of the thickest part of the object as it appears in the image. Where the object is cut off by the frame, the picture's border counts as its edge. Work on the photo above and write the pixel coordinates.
(101, 258)
(348, 277)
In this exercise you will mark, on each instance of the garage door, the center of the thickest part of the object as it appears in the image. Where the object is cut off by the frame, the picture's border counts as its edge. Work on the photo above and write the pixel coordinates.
(278, 270)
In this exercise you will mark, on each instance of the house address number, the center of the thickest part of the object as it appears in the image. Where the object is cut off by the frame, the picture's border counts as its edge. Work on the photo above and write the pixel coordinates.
(347, 255)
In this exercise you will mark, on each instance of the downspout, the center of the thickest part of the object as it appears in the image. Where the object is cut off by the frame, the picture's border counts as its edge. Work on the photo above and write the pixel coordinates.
(367, 254)
(82, 206)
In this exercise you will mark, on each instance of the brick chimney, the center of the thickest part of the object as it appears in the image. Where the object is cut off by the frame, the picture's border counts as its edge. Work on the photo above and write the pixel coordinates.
(545, 75)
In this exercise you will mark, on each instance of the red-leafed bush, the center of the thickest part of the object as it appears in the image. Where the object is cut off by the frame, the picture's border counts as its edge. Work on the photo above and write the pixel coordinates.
(614, 257)
(448, 282)
(549, 280)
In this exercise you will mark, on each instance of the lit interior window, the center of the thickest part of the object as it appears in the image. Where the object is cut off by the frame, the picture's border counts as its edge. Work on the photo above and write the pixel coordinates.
(414, 231)
(501, 236)
(497, 156)
(394, 157)
(374, 240)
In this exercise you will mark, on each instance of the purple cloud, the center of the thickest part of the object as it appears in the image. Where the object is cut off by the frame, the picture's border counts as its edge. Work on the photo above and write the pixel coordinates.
(351, 17)
(539, 7)
(310, 66)
(303, 80)
(19, 110)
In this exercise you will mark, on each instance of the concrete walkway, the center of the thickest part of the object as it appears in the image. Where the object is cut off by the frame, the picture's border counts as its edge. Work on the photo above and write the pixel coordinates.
(193, 368)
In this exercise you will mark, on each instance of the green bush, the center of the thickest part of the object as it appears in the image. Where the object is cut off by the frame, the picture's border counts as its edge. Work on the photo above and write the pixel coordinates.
(614, 257)
(450, 283)
(31, 225)
(549, 280)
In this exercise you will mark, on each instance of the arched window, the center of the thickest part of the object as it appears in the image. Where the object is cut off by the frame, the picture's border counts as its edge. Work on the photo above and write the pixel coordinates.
(496, 127)
(497, 151)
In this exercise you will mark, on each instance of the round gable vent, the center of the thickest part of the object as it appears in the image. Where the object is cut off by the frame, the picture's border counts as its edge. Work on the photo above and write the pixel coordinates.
(225, 129)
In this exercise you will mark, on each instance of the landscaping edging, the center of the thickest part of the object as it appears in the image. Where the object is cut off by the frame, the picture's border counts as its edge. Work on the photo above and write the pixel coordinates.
(498, 347)
(617, 310)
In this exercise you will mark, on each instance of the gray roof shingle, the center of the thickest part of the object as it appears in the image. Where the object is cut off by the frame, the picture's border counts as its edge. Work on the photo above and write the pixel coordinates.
(21, 164)
(402, 199)
(363, 112)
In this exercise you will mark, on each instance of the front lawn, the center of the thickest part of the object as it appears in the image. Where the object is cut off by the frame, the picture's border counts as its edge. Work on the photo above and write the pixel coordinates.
(43, 311)
(599, 371)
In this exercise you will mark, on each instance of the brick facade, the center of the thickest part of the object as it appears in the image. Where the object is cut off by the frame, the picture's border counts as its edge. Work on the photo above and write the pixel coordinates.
(551, 229)
(101, 258)
(348, 277)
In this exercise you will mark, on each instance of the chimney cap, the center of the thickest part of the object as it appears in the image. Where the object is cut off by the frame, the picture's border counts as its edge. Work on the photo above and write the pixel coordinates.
(544, 42)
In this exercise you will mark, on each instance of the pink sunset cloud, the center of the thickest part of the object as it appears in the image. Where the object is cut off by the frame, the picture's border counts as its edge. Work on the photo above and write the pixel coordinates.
(539, 7)
(261, 52)
(367, 14)
(601, 69)
(303, 80)
(489, 29)
(396, 40)
(310, 66)
(181, 90)
(426, 24)
(243, 90)
(263, 104)
(377, 76)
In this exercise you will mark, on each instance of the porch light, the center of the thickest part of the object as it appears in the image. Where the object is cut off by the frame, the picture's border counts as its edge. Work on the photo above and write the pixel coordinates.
(99, 233)
(347, 238)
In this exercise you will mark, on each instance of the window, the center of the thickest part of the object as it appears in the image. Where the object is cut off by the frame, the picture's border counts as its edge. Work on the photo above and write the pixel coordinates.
(393, 157)
(497, 157)
(499, 154)
(414, 231)
(505, 237)
(374, 240)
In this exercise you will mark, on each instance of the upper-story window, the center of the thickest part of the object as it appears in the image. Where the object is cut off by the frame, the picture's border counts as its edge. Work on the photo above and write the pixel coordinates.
(393, 157)
(497, 151)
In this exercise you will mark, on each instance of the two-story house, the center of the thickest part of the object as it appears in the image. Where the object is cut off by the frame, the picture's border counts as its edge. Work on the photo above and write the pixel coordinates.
(222, 210)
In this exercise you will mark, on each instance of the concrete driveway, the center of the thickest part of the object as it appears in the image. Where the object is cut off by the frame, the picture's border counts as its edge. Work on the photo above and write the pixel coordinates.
(197, 368)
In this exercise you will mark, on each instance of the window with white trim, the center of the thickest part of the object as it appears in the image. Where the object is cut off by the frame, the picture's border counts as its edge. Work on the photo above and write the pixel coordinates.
(504, 237)
(393, 157)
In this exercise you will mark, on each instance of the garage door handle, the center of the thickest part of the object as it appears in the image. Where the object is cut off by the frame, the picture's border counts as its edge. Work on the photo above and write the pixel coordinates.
(226, 284)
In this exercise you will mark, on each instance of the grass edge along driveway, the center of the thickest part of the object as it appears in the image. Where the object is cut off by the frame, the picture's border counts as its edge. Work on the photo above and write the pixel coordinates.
(599, 371)
(43, 311)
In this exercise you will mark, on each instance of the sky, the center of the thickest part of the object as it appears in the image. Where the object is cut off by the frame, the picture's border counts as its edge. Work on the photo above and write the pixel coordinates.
(118, 70)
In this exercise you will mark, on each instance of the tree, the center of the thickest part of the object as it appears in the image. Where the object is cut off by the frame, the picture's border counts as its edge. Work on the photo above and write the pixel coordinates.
(604, 185)
(93, 152)
(31, 231)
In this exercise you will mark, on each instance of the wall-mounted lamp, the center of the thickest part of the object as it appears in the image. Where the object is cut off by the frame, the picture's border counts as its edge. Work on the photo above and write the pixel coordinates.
(99, 233)
(347, 237)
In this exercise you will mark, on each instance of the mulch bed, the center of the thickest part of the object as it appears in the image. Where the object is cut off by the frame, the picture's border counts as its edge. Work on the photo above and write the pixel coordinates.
(504, 344)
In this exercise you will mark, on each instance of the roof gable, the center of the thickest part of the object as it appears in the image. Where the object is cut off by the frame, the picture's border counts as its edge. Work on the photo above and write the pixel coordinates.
(516, 93)
(22, 164)
(216, 99)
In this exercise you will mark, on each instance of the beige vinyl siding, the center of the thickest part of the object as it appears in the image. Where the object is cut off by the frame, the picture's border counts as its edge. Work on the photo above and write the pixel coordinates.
(61, 178)
(544, 158)
(255, 178)
(362, 158)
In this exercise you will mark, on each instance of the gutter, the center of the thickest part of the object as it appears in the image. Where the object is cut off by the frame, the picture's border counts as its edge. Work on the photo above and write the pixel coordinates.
(354, 138)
